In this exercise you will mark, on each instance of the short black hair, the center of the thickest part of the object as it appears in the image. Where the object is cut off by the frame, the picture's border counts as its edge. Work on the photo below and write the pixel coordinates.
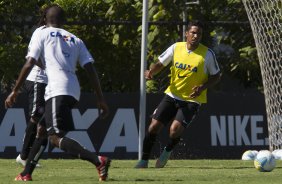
(195, 23)
(44, 10)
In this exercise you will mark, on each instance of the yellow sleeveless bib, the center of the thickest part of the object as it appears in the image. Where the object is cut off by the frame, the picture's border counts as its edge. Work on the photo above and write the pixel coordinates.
(187, 72)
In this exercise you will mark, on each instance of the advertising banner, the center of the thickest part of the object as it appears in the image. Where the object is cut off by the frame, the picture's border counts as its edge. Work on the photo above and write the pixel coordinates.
(224, 128)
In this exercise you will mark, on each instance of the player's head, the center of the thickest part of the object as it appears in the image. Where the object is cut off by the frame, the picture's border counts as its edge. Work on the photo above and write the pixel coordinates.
(194, 33)
(52, 15)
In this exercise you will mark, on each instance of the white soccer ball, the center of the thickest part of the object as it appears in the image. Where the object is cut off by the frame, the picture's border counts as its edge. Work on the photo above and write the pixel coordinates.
(249, 155)
(277, 154)
(265, 161)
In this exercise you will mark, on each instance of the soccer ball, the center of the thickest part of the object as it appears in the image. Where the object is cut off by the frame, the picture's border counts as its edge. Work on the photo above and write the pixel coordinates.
(249, 155)
(265, 161)
(277, 154)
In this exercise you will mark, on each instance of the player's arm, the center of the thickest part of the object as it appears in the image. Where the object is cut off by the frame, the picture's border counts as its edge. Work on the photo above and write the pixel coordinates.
(34, 51)
(164, 59)
(154, 69)
(212, 68)
(86, 60)
(94, 80)
(11, 99)
(212, 80)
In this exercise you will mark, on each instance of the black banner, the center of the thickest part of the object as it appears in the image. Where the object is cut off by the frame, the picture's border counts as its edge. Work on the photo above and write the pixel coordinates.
(225, 127)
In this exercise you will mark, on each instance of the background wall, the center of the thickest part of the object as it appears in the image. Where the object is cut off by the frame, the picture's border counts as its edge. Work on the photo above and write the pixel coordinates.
(228, 125)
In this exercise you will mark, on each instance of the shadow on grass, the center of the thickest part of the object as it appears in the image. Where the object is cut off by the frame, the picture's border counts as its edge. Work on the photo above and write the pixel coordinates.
(142, 180)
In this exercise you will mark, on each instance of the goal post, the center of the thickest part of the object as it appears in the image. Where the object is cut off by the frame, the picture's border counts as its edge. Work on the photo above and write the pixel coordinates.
(265, 17)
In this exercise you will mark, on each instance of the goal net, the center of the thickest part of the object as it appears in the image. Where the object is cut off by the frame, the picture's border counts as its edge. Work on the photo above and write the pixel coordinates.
(265, 17)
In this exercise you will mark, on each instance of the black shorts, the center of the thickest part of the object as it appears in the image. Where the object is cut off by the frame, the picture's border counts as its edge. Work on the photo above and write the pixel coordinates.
(58, 115)
(172, 109)
(35, 91)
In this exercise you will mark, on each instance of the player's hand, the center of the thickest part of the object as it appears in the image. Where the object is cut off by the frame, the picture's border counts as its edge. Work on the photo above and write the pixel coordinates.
(103, 109)
(11, 99)
(197, 90)
(148, 74)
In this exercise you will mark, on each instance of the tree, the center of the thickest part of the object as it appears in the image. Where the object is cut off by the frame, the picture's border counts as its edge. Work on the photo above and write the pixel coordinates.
(14, 36)
(111, 29)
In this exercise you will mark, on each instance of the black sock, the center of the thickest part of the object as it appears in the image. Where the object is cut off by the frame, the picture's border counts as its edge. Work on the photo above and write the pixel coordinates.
(172, 143)
(30, 133)
(36, 151)
(148, 144)
(75, 149)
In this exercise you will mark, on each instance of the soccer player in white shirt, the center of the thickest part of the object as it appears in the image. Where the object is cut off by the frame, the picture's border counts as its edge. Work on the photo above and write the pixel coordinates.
(61, 52)
(35, 88)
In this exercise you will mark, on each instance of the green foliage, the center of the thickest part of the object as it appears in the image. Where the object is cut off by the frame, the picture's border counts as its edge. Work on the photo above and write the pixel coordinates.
(151, 86)
(116, 47)
(233, 42)
(247, 67)
(14, 36)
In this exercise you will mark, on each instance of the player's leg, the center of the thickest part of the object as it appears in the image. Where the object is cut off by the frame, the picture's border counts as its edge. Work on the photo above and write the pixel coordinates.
(60, 122)
(30, 131)
(161, 116)
(38, 147)
(176, 130)
(75, 149)
(40, 142)
(36, 109)
(184, 116)
(148, 142)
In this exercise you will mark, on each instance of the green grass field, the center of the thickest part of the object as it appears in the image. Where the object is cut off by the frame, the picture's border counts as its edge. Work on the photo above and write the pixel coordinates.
(122, 171)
